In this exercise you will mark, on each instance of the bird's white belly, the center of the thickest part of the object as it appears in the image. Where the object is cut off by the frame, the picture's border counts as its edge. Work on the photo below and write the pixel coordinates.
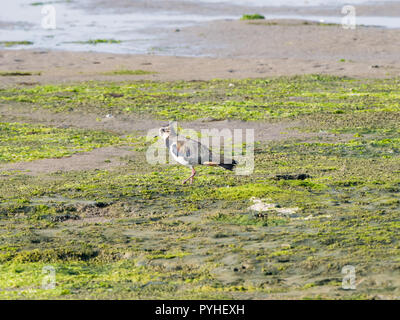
(180, 160)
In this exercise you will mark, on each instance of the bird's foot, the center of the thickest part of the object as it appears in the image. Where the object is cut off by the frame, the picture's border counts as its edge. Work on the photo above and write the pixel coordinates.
(190, 179)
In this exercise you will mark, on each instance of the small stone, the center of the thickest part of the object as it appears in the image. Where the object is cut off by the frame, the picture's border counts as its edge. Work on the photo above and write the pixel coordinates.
(128, 255)
(141, 263)
(208, 119)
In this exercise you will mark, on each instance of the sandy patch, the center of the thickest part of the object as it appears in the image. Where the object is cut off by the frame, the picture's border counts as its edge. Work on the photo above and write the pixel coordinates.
(102, 158)
(229, 49)
(117, 124)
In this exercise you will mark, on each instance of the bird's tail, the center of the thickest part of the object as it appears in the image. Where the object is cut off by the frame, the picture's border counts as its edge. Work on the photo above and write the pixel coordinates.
(228, 166)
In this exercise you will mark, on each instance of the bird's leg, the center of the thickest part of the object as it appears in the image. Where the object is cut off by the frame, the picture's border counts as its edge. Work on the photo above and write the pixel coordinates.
(184, 181)
(191, 177)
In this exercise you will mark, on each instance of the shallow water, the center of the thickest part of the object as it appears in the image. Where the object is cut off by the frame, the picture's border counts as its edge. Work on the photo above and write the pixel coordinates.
(291, 3)
(140, 28)
(21, 21)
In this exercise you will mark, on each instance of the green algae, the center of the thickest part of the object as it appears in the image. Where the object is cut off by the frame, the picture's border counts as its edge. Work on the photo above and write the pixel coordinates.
(133, 231)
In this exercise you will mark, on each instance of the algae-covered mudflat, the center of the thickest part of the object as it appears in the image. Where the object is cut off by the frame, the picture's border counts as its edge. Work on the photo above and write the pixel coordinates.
(113, 226)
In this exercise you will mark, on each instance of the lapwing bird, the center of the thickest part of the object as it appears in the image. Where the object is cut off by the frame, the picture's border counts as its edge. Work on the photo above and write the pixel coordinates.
(190, 153)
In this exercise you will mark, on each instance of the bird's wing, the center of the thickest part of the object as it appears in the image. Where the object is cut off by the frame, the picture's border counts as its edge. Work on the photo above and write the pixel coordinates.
(200, 153)
(193, 152)
(208, 158)
(181, 149)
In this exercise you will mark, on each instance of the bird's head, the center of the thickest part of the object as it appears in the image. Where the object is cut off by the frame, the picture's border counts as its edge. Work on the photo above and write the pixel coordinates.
(165, 132)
